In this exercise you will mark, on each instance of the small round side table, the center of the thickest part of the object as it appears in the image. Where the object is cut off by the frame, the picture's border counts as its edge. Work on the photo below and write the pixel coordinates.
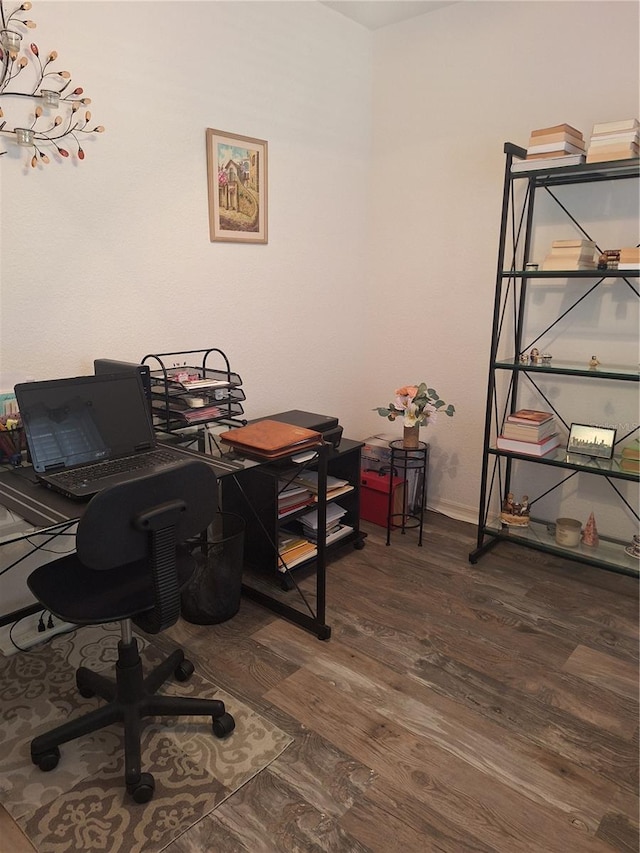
(405, 460)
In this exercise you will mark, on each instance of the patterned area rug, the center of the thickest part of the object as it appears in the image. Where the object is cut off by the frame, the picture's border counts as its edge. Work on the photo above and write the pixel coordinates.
(82, 804)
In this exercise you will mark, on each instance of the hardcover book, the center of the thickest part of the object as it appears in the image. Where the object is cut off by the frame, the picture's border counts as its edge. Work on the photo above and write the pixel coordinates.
(529, 416)
(529, 448)
(558, 128)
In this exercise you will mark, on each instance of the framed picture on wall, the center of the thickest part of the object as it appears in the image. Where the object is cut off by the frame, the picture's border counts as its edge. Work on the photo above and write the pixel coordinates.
(237, 181)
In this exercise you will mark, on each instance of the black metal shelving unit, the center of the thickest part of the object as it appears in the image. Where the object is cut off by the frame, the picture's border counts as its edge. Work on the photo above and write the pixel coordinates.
(509, 312)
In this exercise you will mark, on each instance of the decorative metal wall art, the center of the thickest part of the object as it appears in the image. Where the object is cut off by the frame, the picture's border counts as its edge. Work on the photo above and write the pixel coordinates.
(39, 109)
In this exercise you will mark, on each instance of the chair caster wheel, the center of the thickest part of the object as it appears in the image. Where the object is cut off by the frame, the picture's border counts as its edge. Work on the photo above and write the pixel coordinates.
(47, 760)
(83, 690)
(143, 790)
(224, 725)
(184, 670)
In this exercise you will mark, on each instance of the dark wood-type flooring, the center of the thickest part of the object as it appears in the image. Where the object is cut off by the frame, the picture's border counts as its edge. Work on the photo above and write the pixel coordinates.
(455, 708)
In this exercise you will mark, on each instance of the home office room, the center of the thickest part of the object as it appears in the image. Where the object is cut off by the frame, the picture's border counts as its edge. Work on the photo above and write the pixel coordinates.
(367, 274)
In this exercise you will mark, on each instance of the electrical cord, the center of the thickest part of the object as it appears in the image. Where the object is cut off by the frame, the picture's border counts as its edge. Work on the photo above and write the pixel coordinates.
(15, 625)
(36, 547)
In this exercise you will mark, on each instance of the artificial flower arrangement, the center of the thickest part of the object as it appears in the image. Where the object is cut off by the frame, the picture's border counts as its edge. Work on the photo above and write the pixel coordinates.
(417, 405)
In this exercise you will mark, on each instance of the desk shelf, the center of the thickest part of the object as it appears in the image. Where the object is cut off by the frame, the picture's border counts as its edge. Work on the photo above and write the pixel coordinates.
(253, 494)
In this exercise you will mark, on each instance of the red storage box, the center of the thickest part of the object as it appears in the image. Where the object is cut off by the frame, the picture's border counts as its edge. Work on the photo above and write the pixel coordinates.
(374, 496)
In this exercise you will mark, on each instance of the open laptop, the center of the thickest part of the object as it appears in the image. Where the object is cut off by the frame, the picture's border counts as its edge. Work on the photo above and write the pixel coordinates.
(89, 432)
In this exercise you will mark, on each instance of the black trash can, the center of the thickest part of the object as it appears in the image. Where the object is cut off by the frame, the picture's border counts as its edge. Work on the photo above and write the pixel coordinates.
(213, 593)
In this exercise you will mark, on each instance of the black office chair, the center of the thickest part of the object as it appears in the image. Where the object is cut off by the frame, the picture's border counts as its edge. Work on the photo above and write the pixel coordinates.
(129, 566)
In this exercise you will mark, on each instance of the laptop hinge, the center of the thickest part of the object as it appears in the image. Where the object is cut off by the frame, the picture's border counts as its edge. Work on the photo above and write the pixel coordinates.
(144, 446)
(52, 469)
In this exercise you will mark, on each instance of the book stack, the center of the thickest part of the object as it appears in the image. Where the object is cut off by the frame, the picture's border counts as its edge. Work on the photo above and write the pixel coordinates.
(335, 485)
(529, 431)
(292, 497)
(629, 258)
(571, 255)
(553, 147)
(630, 459)
(549, 143)
(614, 140)
(293, 549)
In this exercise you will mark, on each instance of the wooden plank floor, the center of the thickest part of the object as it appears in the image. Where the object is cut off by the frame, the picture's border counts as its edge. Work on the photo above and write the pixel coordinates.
(455, 708)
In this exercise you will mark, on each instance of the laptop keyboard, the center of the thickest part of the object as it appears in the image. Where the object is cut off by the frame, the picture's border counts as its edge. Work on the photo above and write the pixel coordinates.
(140, 462)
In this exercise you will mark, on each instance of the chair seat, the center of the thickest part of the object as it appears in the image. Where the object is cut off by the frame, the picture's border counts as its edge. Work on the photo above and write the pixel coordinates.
(73, 594)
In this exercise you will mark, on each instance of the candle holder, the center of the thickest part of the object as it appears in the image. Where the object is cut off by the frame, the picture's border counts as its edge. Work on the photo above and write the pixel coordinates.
(25, 136)
(50, 98)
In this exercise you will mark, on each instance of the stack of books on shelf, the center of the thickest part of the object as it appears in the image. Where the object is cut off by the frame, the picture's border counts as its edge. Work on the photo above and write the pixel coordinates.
(529, 431)
(292, 497)
(551, 147)
(335, 485)
(293, 549)
(614, 140)
(630, 459)
(571, 255)
(629, 258)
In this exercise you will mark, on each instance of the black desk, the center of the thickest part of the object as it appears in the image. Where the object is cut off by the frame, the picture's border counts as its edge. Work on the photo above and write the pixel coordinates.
(52, 514)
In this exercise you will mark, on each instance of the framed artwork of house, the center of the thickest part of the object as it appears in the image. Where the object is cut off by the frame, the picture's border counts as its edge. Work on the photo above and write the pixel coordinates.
(237, 182)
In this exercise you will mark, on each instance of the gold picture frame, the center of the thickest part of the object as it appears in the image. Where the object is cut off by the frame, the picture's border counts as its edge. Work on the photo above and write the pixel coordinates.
(237, 185)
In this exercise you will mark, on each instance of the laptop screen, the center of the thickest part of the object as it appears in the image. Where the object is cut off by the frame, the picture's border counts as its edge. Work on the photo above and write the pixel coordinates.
(69, 422)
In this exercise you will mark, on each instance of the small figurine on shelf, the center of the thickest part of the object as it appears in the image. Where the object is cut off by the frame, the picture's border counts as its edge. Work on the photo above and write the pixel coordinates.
(633, 549)
(590, 533)
(523, 358)
(546, 357)
(534, 356)
(593, 363)
(515, 514)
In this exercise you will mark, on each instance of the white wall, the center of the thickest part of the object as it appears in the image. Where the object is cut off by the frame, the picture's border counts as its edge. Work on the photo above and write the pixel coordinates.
(385, 172)
(111, 257)
(450, 88)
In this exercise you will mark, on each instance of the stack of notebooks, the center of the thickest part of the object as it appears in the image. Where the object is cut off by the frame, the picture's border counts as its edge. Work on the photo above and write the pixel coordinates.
(335, 485)
(292, 497)
(529, 431)
(614, 140)
(571, 255)
(550, 147)
(293, 549)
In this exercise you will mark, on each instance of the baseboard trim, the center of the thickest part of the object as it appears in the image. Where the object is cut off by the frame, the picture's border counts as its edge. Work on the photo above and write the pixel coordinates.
(455, 510)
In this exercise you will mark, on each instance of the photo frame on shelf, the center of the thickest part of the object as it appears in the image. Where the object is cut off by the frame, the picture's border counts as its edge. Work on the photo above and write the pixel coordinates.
(590, 440)
(237, 187)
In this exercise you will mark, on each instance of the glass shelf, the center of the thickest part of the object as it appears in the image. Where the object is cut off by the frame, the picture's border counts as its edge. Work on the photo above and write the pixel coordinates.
(559, 458)
(635, 273)
(610, 553)
(606, 171)
(572, 368)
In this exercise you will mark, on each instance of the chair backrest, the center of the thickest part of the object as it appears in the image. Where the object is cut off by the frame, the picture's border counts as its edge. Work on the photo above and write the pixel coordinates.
(143, 522)
(111, 532)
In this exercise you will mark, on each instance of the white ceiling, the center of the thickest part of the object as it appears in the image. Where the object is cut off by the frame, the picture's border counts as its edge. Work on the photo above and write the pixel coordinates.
(374, 14)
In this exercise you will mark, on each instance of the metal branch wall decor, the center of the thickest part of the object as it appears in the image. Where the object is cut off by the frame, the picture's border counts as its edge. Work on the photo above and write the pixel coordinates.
(48, 116)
